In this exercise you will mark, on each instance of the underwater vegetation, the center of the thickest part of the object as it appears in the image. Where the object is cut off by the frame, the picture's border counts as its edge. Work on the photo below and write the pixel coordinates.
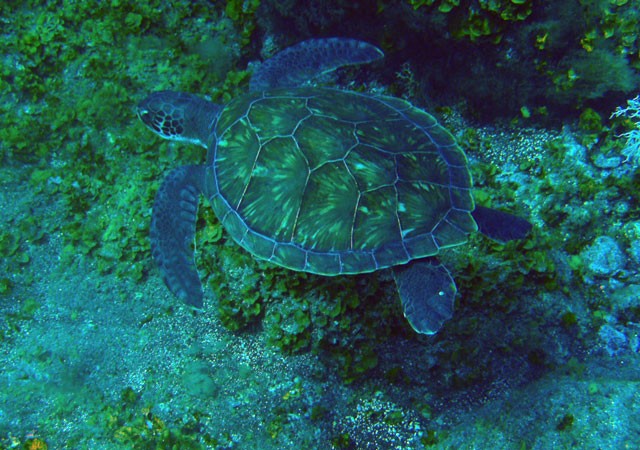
(77, 103)
(73, 71)
(476, 20)
(497, 56)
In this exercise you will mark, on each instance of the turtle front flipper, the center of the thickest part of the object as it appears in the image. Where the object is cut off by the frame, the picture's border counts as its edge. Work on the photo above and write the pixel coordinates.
(427, 292)
(302, 62)
(173, 226)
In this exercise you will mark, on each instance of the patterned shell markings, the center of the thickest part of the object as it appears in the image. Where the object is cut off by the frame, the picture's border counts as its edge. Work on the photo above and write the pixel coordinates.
(337, 182)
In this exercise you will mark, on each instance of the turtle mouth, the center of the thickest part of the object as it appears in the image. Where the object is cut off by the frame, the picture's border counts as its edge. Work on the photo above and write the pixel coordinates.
(144, 115)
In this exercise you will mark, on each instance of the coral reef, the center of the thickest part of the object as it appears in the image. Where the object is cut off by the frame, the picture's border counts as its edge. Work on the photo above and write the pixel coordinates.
(632, 115)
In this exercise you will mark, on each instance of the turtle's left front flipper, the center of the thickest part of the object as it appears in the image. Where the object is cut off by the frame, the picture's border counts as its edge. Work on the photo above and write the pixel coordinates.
(499, 225)
(427, 292)
(295, 65)
(173, 226)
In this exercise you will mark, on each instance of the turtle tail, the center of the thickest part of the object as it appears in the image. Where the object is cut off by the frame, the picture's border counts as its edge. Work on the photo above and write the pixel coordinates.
(302, 62)
(173, 226)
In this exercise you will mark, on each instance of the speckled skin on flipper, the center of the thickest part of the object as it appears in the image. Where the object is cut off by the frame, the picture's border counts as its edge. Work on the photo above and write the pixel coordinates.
(300, 63)
(319, 180)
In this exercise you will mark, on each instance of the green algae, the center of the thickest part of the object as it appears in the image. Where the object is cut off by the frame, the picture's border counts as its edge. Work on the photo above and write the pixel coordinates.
(481, 20)
(134, 425)
(73, 121)
(298, 311)
(78, 137)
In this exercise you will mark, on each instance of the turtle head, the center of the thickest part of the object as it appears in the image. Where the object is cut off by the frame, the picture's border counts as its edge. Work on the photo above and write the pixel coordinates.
(179, 116)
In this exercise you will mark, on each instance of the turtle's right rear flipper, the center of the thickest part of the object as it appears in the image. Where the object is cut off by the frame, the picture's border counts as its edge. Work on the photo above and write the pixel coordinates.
(308, 59)
(173, 226)
(427, 292)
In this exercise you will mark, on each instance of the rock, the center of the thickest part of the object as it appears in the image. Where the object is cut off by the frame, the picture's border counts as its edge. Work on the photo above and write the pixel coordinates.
(614, 341)
(607, 162)
(604, 257)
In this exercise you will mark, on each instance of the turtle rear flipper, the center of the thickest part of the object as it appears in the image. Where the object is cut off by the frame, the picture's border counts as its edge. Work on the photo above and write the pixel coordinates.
(499, 225)
(302, 62)
(427, 292)
(173, 226)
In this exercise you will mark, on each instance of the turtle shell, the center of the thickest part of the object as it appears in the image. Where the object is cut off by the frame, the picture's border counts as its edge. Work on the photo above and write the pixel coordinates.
(336, 182)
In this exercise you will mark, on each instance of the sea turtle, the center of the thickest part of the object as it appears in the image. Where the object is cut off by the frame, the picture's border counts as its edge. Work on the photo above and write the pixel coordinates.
(320, 180)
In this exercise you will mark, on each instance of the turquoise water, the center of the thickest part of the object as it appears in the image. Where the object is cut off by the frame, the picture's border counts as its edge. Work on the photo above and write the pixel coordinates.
(542, 350)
